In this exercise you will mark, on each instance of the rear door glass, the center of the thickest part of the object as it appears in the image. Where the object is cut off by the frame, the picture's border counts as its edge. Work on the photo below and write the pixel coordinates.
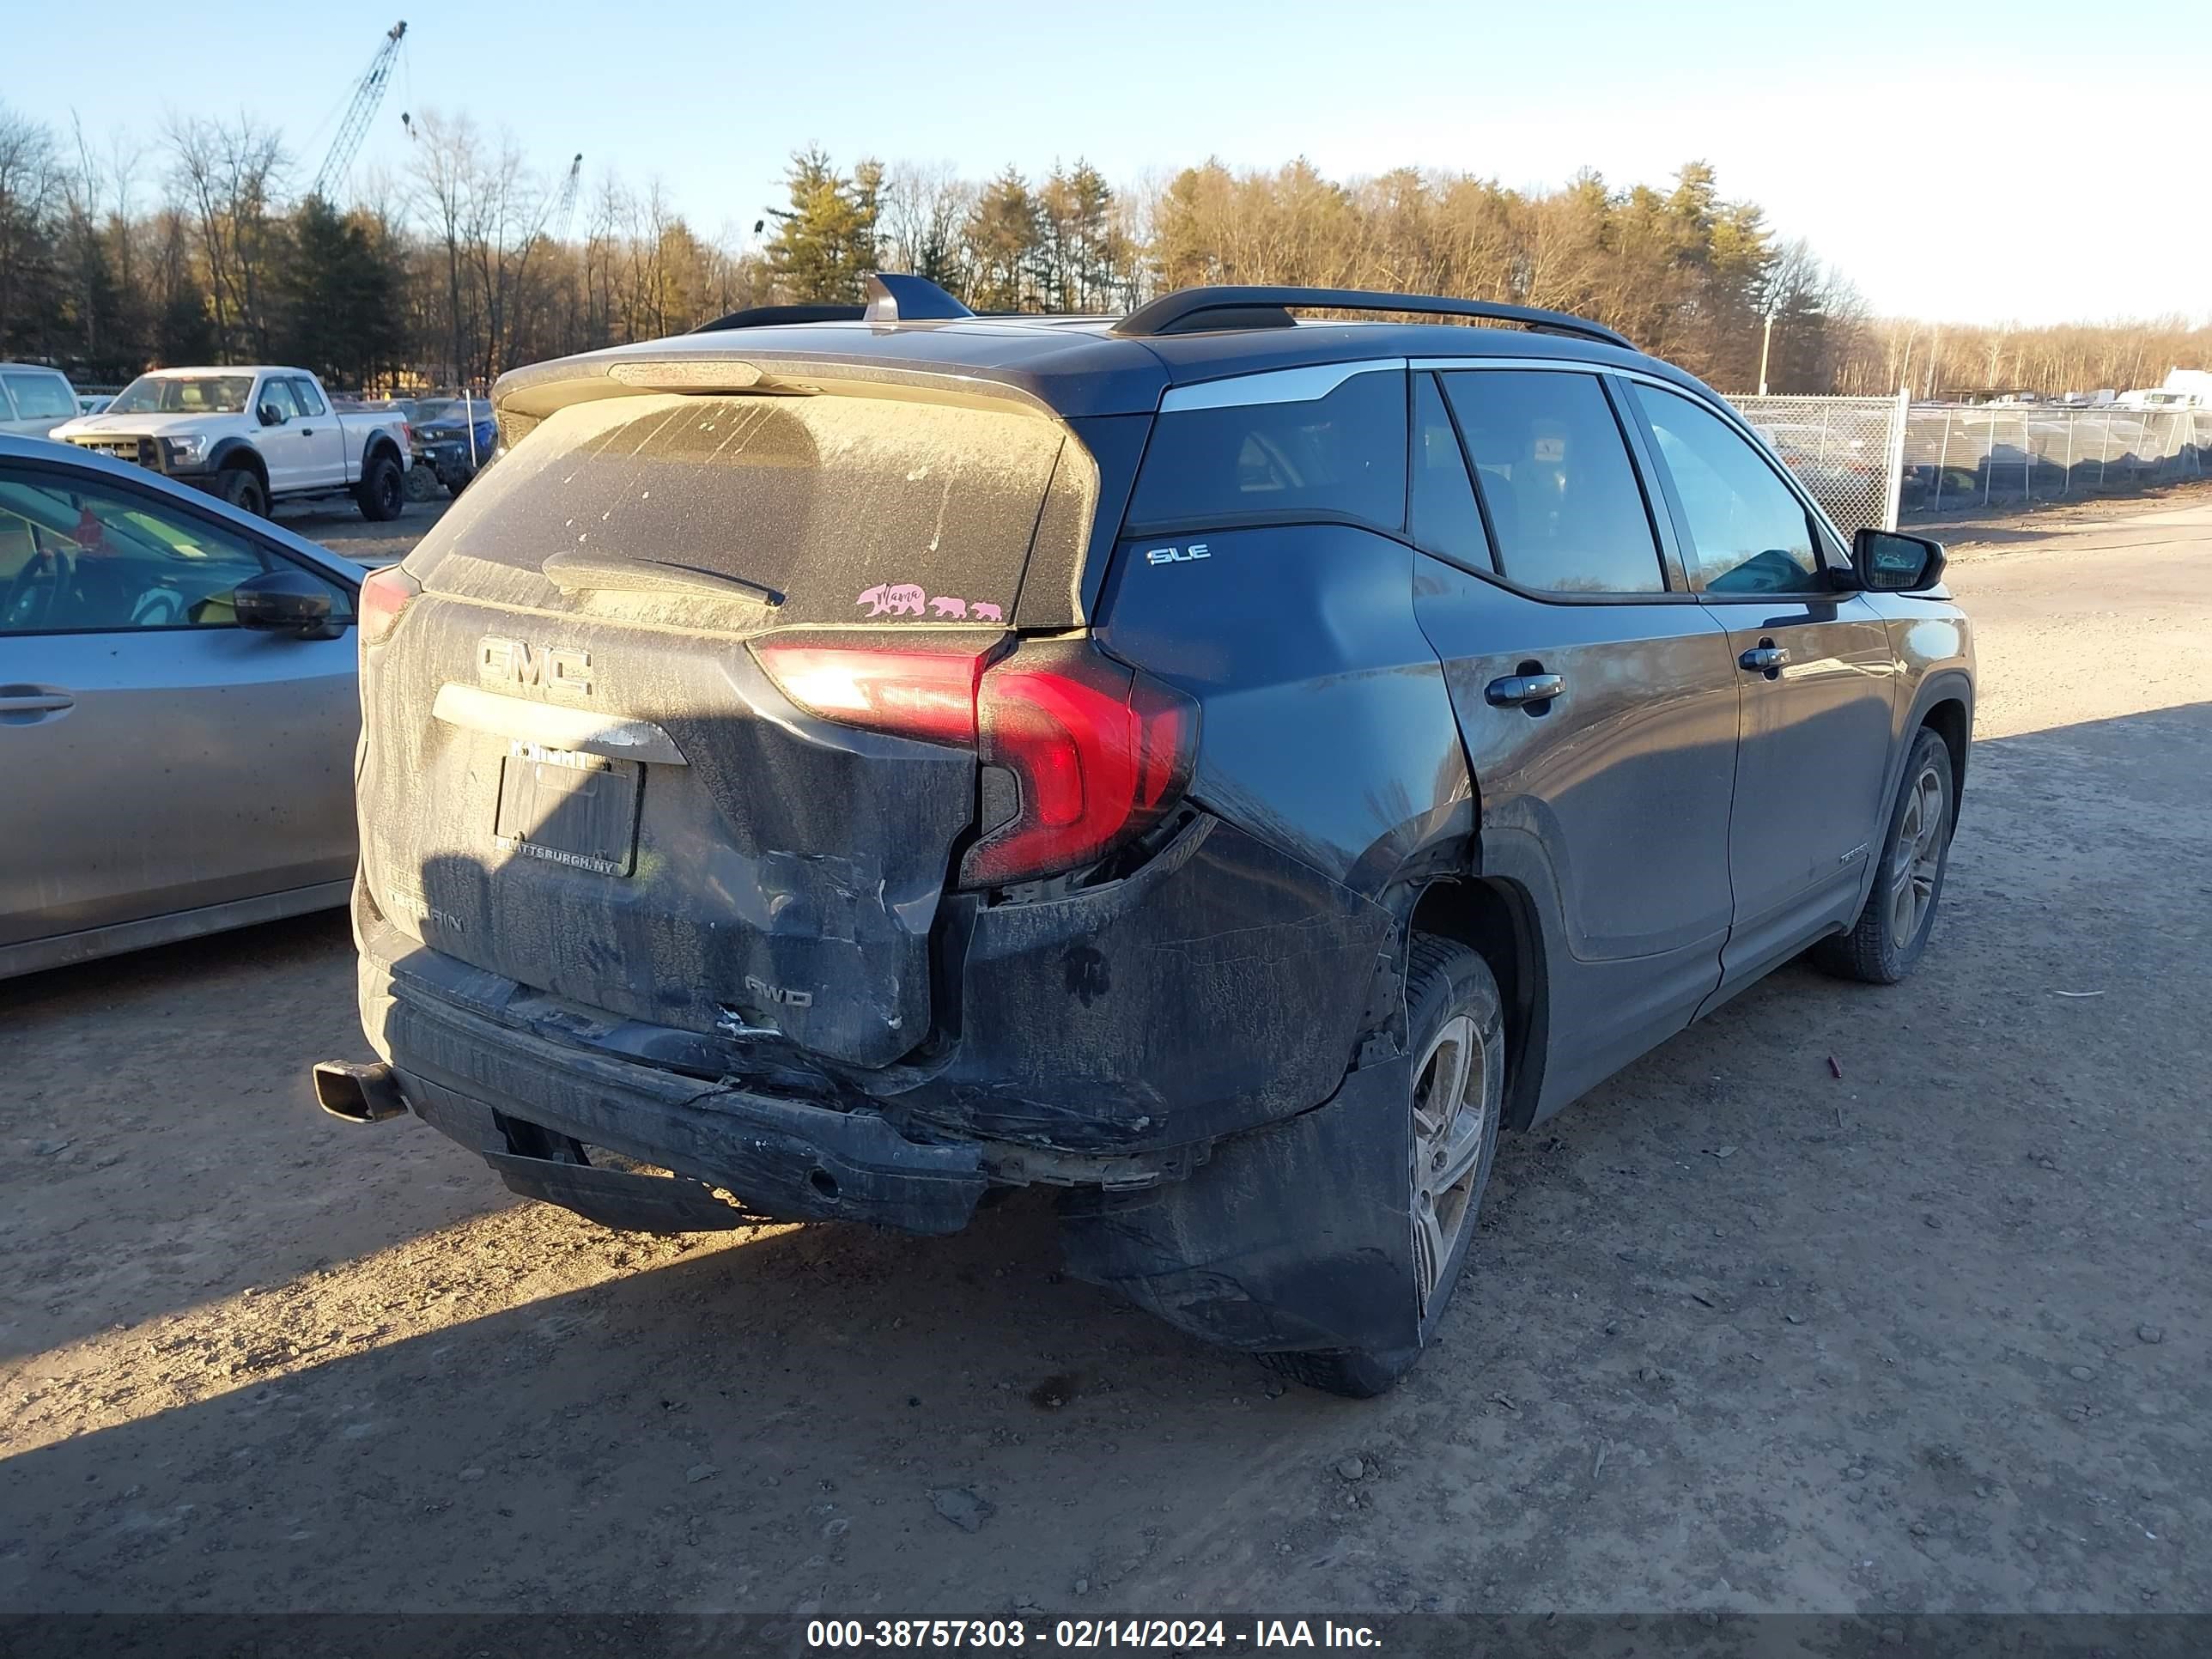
(1338, 458)
(1446, 519)
(852, 508)
(1554, 473)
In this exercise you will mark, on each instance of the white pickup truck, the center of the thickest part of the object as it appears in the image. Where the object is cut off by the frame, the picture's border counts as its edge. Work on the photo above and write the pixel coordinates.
(253, 436)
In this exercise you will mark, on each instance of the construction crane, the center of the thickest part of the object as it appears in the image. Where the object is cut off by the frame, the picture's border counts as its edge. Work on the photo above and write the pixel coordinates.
(564, 204)
(368, 93)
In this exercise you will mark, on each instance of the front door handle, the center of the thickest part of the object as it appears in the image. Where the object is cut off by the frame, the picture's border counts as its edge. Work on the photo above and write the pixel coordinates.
(1520, 690)
(34, 704)
(306, 432)
(1764, 660)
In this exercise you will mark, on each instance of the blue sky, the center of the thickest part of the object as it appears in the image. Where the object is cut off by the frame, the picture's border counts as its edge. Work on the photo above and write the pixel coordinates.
(2027, 160)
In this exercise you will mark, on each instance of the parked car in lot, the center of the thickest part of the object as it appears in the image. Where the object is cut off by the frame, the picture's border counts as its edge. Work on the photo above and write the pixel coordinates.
(94, 402)
(34, 399)
(1226, 769)
(254, 436)
(454, 437)
(177, 712)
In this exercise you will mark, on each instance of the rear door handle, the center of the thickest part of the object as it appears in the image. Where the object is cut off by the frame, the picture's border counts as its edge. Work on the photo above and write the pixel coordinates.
(1519, 690)
(1762, 659)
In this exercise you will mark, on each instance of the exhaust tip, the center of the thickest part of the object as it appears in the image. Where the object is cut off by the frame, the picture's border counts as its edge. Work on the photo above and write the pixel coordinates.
(358, 1093)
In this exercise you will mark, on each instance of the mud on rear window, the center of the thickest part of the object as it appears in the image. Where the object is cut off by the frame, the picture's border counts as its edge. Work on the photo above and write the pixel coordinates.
(1338, 458)
(851, 507)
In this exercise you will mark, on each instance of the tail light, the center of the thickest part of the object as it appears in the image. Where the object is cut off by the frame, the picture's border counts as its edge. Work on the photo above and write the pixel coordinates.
(383, 597)
(1095, 751)
(908, 693)
(1098, 752)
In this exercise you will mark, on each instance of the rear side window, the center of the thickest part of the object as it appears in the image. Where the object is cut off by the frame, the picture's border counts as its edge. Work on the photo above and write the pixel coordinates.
(1554, 473)
(1446, 519)
(853, 508)
(40, 396)
(1338, 458)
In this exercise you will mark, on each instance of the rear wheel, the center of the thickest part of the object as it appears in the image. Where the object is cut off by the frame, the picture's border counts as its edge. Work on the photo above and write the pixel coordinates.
(382, 491)
(1886, 942)
(242, 487)
(1455, 1023)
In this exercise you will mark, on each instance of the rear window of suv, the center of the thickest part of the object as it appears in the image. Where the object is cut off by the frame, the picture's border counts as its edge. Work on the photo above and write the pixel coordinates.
(1338, 458)
(852, 508)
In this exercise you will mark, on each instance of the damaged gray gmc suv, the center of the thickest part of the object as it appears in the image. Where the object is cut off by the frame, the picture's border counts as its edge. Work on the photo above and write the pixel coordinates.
(847, 762)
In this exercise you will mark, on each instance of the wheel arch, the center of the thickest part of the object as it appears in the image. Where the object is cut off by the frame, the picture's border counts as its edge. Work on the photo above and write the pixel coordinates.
(1497, 918)
(236, 452)
(1948, 718)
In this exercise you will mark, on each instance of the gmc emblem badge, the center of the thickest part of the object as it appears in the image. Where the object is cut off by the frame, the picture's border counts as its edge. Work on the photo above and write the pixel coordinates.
(547, 668)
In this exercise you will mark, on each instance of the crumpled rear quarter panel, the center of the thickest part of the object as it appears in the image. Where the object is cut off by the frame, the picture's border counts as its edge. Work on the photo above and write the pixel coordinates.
(1221, 986)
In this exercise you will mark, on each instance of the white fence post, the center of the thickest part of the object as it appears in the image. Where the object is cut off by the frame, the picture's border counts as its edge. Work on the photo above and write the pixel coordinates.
(1896, 459)
(1942, 460)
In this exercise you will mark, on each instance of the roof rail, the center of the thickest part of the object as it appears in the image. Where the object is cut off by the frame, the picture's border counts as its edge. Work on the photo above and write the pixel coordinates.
(1232, 306)
(774, 316)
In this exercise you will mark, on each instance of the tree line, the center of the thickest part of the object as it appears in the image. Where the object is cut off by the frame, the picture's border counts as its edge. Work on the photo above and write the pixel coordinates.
(468, 260)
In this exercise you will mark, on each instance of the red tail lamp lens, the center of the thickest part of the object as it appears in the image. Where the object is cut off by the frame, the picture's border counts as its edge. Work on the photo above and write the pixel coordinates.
(383, 597)
(1098, 752)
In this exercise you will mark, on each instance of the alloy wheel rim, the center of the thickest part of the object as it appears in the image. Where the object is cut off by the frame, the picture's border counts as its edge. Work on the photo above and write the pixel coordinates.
(1451, 1097)
(1918, 860)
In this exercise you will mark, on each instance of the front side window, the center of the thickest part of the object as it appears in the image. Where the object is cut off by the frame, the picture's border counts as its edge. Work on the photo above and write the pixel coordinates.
(279, 393)
(40, 396)
(1338, 458)
(1748, 533)
(80, 557)
(305, 395)
(1554, 473)
(184, 394)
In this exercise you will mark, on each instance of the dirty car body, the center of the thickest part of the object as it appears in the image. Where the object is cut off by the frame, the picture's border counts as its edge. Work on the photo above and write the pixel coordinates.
(856, 766)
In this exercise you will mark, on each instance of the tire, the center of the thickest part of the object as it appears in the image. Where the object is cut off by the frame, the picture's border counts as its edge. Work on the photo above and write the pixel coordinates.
(242, 487)
(1451, 1001)
(381, 494)
(1886, 942)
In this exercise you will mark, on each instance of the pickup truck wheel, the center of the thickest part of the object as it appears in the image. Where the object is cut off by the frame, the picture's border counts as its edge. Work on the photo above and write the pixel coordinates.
(242, 487)
(1886, 942)
(1456, 1026)
(382, 491)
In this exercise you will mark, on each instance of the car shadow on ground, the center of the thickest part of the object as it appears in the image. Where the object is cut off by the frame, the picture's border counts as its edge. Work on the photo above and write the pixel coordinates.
(1834, 1240)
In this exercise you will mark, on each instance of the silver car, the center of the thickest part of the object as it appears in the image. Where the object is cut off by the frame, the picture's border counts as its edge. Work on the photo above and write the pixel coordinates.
(177, 712)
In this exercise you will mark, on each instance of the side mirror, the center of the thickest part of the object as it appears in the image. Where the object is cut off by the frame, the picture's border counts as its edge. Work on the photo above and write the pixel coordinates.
(271, 415)
(1888, 562)
(284, 602)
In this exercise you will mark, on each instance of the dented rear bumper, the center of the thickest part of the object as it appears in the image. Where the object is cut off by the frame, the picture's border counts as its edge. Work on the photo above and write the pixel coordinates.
(738, 1156)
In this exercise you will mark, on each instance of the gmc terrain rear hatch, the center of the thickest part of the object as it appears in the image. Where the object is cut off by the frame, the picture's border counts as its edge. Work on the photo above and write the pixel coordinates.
(688, 703)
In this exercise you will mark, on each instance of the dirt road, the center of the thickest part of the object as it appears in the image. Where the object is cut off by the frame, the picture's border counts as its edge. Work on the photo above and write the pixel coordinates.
(1738, 1333)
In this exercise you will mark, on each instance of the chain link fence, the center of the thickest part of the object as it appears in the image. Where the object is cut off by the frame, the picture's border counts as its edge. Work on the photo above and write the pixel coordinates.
(1845, 451)
(1957, 456)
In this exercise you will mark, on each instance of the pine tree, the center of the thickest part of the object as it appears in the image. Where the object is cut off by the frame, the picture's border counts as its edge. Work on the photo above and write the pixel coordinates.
(825, 240)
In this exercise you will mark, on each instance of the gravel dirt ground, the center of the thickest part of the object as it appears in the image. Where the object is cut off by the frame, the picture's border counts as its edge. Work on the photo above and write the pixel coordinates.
(1737, 1333)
